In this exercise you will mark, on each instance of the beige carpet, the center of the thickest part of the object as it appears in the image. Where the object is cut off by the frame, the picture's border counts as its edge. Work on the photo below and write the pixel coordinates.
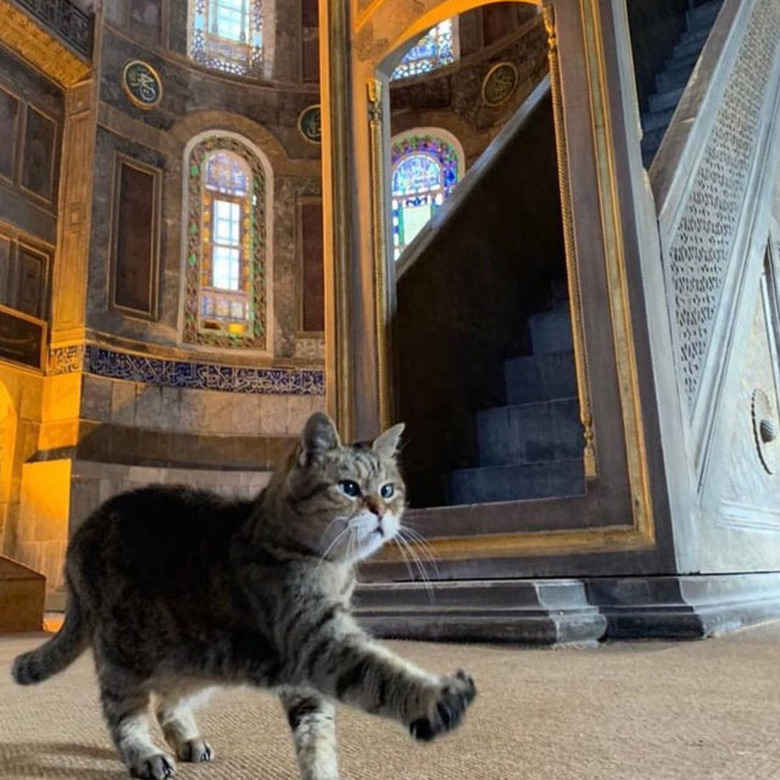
(646, 710)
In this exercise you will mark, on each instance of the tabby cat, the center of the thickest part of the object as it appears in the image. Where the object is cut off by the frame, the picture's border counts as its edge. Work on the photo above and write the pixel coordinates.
(178, 591)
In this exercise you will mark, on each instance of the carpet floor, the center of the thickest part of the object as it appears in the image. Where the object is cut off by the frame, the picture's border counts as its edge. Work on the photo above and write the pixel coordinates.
(647, 710)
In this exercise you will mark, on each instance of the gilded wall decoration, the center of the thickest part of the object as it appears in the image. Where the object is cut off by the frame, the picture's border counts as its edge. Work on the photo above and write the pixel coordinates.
(310, 124)
(702, 246)
(142, 84)
(499, 84)
(42, 47)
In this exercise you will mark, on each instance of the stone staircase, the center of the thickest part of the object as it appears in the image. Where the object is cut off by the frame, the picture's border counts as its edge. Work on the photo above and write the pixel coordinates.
(532, 447)
(671, 81)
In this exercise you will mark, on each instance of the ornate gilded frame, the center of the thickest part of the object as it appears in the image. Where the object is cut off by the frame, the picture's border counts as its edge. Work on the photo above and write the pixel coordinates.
(359, 279)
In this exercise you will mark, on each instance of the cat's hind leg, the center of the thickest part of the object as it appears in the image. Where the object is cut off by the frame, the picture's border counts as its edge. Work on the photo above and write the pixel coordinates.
(174, 713)
(126, 709)
(312, 720)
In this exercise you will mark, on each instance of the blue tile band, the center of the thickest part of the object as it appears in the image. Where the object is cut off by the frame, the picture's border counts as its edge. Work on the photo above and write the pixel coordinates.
(181, 373)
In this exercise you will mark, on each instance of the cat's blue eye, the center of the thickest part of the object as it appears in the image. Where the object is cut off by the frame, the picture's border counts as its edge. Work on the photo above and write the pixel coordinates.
(349, 488)
(387, 491)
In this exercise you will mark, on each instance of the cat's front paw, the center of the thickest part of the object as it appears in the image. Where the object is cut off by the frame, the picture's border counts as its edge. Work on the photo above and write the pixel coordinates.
(195, 751)
(447, 706)
(156, 767)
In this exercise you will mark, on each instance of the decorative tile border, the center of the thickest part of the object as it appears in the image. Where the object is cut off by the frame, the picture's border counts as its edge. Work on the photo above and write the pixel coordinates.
(181, 373)
(202, 376)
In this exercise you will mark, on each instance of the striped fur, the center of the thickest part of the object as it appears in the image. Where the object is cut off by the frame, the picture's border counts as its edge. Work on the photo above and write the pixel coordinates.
(178, 591)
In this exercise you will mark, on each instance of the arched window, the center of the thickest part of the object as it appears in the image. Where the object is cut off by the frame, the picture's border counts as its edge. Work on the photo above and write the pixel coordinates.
(426, 166)
(437, 48)
(225, 273)
(227, 35)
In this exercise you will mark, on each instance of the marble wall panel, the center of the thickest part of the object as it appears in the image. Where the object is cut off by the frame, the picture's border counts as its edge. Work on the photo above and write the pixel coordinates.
(195, 411)
(123, 403)
(96, 398)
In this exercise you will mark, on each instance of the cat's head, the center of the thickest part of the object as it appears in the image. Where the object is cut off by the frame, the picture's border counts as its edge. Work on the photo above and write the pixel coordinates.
(345, 501)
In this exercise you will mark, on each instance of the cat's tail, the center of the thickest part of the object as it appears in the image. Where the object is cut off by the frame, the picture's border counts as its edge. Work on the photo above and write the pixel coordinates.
(57, 653)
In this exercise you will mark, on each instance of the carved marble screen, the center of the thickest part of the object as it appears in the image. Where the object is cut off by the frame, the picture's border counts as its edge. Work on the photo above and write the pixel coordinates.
(752, 481)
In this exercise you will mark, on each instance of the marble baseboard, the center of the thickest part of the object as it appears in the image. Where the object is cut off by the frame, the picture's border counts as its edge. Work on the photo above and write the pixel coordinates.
(569, 611)
(531, 612)
(684, 606)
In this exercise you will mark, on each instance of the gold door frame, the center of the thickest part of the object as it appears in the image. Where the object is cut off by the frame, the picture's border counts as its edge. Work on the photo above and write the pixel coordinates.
(359, 273)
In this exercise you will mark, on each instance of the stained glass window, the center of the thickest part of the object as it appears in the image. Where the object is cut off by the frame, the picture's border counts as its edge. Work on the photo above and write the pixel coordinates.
(226, 239)
(228, 35)
(437, 48)
(425, 170)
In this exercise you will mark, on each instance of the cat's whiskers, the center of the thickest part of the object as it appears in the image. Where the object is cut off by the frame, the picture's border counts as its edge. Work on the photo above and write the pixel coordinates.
(405, 557)
(324, 556)
(421, 544)
(423, 574)
(329, 526)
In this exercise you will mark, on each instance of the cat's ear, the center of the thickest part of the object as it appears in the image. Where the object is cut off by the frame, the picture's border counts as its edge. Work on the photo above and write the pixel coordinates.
(386, 444)
(319, 435)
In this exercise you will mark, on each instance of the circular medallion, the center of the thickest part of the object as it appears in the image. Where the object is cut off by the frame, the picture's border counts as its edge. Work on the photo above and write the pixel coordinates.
(310, 124)
(765, 430)
(142, 84)
(499, 84)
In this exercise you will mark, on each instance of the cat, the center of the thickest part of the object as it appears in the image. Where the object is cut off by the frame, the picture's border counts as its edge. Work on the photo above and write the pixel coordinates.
(179, 591)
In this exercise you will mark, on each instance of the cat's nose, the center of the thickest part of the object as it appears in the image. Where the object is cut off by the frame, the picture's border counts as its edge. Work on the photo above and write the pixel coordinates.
(374, 506)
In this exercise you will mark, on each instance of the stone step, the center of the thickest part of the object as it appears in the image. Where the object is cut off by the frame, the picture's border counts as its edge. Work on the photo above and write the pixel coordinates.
(652, 140)
(703, 17)
(560, 294)
(517, 482)
(686, 48)
(653, 120)
(665, 100)
(675, 78)
(686, 61)
(529, 433)
(695, 35)
(550, 331)
(540, 377)
(648, 155)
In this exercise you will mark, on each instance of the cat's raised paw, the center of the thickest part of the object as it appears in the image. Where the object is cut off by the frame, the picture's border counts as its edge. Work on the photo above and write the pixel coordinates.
(196, 751)
(453, 697)
(156, 767)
